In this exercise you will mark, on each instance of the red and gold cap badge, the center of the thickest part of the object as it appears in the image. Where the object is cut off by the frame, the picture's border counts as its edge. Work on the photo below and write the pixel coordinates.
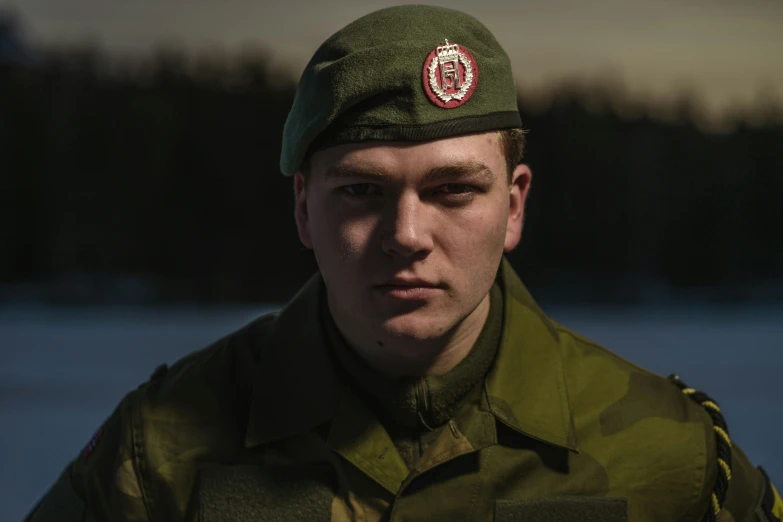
(450, 75)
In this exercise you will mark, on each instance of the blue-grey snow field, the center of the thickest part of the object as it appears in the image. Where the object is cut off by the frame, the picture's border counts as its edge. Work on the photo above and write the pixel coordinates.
(63, 370)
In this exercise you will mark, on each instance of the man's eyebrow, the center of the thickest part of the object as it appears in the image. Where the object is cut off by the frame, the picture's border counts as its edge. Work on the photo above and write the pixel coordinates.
(340, 171)
(475, 170)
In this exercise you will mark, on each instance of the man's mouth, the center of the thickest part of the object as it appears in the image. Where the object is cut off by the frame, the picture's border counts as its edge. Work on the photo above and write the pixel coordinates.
(409, 288)
(410, 282)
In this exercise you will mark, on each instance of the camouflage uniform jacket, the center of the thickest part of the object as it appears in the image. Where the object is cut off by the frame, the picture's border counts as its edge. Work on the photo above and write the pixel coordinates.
(259, 426)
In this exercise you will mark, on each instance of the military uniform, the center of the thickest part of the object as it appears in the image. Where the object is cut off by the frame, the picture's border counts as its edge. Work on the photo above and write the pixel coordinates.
(282, 421)
(268, 425)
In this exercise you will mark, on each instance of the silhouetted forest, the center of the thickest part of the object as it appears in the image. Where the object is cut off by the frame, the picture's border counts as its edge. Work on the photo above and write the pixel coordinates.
(157, 179)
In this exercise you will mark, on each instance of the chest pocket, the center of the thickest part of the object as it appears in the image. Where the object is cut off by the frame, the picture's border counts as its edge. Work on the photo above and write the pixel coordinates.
(265, 494)
(582, 509)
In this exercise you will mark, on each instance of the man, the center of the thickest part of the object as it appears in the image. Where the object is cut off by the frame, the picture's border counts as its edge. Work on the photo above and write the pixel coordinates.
(414, 377)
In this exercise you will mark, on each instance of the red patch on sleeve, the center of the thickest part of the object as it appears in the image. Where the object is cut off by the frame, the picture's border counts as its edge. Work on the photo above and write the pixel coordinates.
(88, 449)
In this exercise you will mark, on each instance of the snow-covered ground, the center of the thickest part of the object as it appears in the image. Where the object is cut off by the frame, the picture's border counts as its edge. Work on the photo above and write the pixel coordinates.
(63, 370)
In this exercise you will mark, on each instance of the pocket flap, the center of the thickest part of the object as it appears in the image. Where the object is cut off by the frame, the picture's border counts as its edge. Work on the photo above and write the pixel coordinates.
(260, 494)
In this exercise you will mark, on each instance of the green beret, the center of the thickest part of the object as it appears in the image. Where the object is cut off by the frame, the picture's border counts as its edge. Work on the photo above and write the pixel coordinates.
(404, 73)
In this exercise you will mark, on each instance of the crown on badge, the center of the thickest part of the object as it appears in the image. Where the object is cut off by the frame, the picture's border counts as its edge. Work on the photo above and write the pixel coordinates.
(447, 52)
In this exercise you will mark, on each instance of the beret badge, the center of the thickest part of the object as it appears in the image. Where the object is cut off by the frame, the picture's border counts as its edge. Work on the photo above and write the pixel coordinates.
(450, 75)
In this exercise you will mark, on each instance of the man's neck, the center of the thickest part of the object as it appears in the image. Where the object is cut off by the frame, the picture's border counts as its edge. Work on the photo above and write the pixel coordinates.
(434, 357)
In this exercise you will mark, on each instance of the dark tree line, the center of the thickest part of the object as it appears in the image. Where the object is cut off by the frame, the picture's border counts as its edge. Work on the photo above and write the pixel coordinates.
(166, 170)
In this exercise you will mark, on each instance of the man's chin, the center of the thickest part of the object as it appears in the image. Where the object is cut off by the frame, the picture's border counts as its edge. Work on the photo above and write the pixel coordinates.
(413, 329)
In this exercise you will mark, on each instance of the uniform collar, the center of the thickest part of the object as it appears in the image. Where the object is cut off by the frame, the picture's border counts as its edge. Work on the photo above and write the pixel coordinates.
(526, 386)
(298, 388)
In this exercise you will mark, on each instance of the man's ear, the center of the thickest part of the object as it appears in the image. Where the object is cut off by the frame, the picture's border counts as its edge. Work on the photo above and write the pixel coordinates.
(517, 194)
(300, 210)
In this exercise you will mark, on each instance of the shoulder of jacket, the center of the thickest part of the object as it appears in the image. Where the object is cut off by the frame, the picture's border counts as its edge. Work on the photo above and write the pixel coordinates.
(587, 347)
(194, 410)
(229, 361)
(625, 413)
(195, 386)
(626, 385)
(211, 385)
(588, 363)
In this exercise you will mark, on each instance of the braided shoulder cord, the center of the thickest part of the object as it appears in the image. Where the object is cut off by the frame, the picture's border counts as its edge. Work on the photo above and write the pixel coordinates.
(723, 446)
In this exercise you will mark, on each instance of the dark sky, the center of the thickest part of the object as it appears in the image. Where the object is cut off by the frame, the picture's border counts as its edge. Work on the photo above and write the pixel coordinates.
(729, 52)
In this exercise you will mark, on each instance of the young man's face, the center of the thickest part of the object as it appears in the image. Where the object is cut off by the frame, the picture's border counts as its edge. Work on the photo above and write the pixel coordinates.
(409, 236)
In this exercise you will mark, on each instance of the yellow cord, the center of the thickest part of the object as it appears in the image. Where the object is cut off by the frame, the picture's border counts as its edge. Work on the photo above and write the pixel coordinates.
(723, 434)
(711, 405)
(726, 468)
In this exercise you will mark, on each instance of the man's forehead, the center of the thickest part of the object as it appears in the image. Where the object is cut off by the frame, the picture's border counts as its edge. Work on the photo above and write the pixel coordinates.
(468, 154)
(469, 171)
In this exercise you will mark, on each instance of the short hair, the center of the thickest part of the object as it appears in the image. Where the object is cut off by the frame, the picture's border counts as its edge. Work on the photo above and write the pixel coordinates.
(512, 144)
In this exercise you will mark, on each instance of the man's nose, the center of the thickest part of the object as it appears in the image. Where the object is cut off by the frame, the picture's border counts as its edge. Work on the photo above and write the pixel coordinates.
(406, 229)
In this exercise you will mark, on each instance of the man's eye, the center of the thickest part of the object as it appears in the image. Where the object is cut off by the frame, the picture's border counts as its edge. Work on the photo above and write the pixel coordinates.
(455, 189)
(361, 189)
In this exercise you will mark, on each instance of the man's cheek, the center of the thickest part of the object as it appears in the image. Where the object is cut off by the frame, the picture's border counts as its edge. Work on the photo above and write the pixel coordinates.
(354, 241)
